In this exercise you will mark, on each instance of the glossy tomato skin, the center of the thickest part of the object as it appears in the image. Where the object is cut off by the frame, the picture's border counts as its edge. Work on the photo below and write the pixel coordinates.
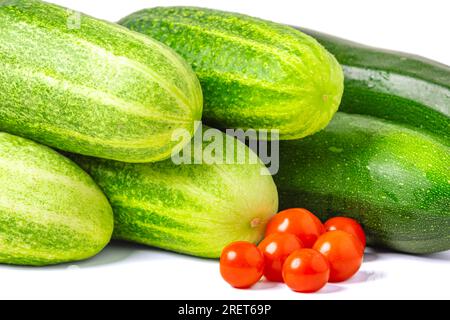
(344, 253)
(276, 248)
(300, 222)
(306, 270)
(241, 264)
(348, 225)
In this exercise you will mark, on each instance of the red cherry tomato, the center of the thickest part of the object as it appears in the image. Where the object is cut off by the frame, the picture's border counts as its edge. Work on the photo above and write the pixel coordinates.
(348, 225)
(300, 222)
(306, 270)
(241, 264)
(344, 253)
(276, 248)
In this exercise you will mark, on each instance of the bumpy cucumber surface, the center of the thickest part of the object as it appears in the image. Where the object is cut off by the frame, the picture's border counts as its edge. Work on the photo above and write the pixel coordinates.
(396, 86)
(195, 209)
(254, 73)
(394, 180)
(91, 87)
(51, 211)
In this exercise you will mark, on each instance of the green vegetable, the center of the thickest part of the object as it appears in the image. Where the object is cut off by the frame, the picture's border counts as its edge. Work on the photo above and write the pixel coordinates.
(51, 211)
(400, 87)
(194, 209)
(95, 88)
(394, 180)
(254, 73)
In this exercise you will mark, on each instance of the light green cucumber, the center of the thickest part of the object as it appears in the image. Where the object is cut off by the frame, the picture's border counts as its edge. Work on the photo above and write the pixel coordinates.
(87, 86)
(51, 211)
(195, 209)
(255, 74)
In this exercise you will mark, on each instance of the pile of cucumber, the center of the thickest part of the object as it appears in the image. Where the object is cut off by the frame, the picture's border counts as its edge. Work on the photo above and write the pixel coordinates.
(88, 115)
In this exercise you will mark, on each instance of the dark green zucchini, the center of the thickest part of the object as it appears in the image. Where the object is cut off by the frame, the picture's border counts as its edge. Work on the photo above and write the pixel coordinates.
(394, 180)
(396, 86)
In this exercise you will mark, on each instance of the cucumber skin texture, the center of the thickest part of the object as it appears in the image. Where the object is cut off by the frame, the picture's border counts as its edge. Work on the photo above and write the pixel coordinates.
(51, 211)
(394, 180)
(98, 90)
(255, 74)
(193, 209)
(396, 86)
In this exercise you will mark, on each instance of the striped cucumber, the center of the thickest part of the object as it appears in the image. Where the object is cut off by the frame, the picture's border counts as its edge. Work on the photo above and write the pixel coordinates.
(194, 209)
(51, 211)
(400, 87)
(95, 88)
(394, 180)
(254, 73)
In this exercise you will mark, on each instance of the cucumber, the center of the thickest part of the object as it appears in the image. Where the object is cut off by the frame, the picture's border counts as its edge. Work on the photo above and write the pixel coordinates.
(255, 74)
(193, 209)
(394, 180)
(51, 211)
(95, 88)
(396, 86)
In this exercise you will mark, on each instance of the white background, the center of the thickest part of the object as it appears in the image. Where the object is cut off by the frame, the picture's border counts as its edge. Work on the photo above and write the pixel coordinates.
(420, 27)
(126, 271)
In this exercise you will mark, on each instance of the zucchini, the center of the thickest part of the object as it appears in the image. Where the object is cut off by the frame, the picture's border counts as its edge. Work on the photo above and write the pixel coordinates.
(97, 89)
(194, 209)
(394, 180)
(51, 211)
(255, 74)
(396, 86)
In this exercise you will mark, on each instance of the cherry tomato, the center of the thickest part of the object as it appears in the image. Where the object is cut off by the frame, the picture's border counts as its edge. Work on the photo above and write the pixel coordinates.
(300, 222)
(276, 248)
(241, 264)
(348, 225)
(344, 253)
(306, 270)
